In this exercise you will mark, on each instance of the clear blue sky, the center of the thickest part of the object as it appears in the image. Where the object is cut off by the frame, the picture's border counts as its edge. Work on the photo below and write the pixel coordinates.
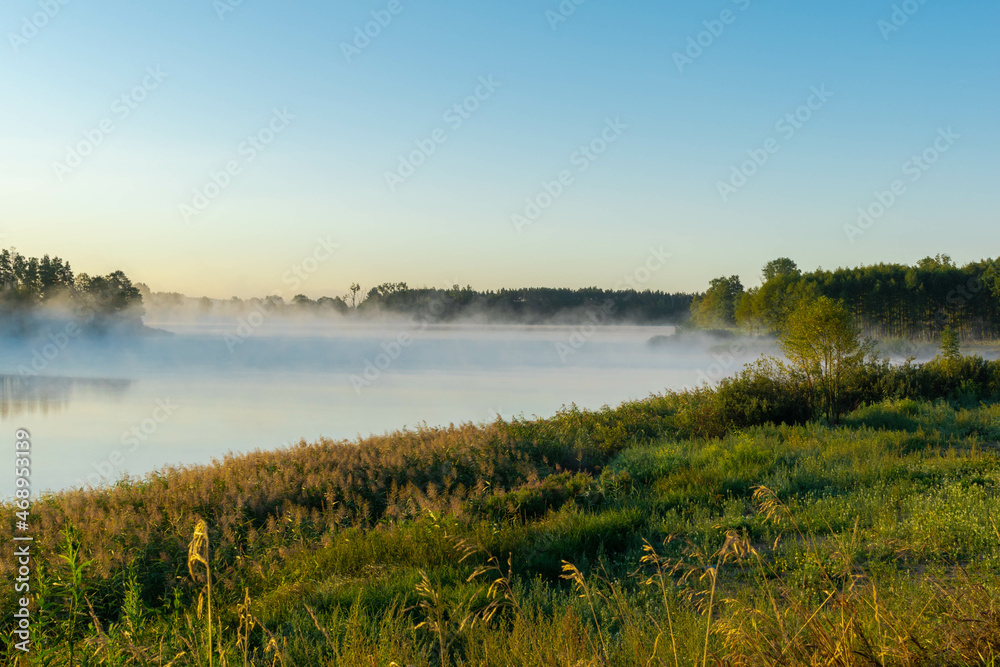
(656, 185)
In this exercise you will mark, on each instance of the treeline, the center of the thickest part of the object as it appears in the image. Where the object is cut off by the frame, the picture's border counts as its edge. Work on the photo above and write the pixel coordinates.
(887, 300)
(30, 282)
(531, 305)
(527, 306)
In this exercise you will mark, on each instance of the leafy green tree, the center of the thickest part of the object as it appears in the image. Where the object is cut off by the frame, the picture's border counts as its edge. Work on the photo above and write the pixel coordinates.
(766, 307)
(779, 267)
(824, 347)
(937, 262)
(717, 308)
(769, 305)
(748, 313)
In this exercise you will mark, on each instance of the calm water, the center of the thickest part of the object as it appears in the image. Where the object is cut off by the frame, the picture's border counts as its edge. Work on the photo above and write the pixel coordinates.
(101, 408)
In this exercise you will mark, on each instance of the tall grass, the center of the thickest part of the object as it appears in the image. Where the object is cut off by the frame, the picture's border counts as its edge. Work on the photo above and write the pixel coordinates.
(199, 553)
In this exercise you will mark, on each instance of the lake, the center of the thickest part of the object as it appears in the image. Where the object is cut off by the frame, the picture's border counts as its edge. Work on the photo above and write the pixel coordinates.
(100, 408)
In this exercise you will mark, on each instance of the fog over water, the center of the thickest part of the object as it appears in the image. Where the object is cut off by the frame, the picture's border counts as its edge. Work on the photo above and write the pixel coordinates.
(102, 407)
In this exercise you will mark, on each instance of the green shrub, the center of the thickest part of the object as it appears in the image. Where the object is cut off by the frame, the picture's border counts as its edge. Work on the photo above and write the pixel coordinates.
(762, 393)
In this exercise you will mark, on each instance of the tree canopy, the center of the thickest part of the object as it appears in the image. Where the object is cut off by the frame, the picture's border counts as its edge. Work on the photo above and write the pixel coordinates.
(717, 307)
(779, 267)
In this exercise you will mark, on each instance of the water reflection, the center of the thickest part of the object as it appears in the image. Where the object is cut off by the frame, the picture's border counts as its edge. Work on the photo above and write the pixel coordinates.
(31, 394)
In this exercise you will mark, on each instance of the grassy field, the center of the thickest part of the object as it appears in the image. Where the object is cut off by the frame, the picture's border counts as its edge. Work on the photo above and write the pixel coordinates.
(654, 533)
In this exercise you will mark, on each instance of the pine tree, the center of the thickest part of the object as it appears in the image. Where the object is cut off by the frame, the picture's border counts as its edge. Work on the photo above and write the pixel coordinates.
(950, 348)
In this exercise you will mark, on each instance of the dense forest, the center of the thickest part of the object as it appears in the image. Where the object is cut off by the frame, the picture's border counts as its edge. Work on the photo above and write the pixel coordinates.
(532, 304)
(888, 300)
(30, 282)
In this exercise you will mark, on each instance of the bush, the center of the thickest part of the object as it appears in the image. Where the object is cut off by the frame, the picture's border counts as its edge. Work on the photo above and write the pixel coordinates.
(967, 378)
(762, 393)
